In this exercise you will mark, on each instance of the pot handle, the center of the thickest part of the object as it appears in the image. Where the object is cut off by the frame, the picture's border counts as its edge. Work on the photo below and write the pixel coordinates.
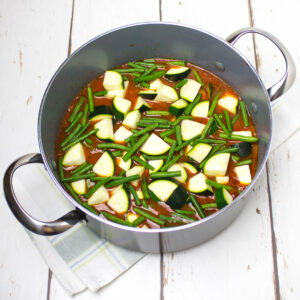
(43, 228)
(288, 78)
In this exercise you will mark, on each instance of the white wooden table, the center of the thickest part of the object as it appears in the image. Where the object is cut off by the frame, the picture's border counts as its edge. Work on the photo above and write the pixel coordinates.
(257, 257)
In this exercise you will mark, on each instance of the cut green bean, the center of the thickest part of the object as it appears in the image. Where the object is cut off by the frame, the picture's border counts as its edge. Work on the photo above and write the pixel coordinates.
(115, 219)
(149, 64)
(129, 70)
(235, 157)
(145, 85)
(133, 65)
(230, 149)
(96, 187)
(79, 168)
(207, 127)
(185, 212)
(106, 179)
(149, 71)
(157, 113)
(145, 130)
(157, 175)
(191, 105)
(112, 146)
(145, 188)
(101, 93)
(198, 77)
(79, 177)
(156, 120)
(209, 90)
(233, 121)
(183, 216)
(154, 157)
(177, 63)
(134, 194)
(235, 137)
(88, 141)
(208, 141)
(180, 84)
(179, 119)
(213, 104)
(122, 173)
(170, 163)
(82, 130)
(169, 219)
(148, 216)
(138, 221)
(169, 140)
(244, 113)
(80, 139)
(116, 153)
(76, 109)
(60, 169)
(160, 125)
(167, 132)
(136, 74)
(135, 147)
(197, 206)
(171, 152)
(71, 135)
(150, 77)
(228, 121)
(142, 162)
(209, 205)
(179, 147)
(85, 169)
(149, 60)
(91, 99)
(85, 114)
(144, 203)
(76, 120)
(221, 124)
(244, 162)
(121, 181)
(178, 135)
(217, 185)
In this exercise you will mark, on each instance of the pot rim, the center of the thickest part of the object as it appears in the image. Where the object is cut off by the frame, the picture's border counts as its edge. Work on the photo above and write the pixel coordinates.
(162, 230)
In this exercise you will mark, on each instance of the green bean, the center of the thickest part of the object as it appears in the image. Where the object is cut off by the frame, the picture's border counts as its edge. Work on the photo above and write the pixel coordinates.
(128, 70)
(79, 139)
(210, 154)
(121, 181)
(178, 120)
(209, 205)
(171, 152)
(170, 163)
(208, 141)
(179, 147)
(244, 162)
(136, 74)
(167, 132)
(149, 70)
(207, 127)
(85, 169)
(142, 162)
(180, 84)
(91, 99)
(144, 203)
(221, 125)
(228, 121)
(169, 140)
(150, 77)
(79, 177)
(198, 77)
(157, 113)
(145, 188)
(76, 120)
(134, 194)
(191, 105)
(154, 157)
(213, 104)
(157, 120)
(235, 137)
(76, 109)
(235, 157)
(183, 216)
(217, 185)
(177, 63)
(79, 168)
(135, 147)
(96, 187)
(169, 219)
(209, 90)
(149, 60)
(82, 130)
(197, 206)
(106, 179)
(138, 221)
(89, 141)
(112, 146)
(244, 113)
(122, 173)
(165, 174)
(60, 169)
(101, 93)
(71, 135)
(116, 153)
(133, 65)
(178, 135)
(230, 149)
(185, 212)
(161, 125)
(115, 219)
(148, 216)
(149, 65)
(145, 85)
(145, 130)
(233, 121)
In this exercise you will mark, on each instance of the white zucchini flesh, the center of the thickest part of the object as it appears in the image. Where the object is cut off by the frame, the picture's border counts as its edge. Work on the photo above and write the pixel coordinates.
(201, 110)
(156, 164)
(132, 118)
(190, 129)
(79, 186)
(122, 105)
(154, 145)
(197, 183)
(131, 217)
(155, 85)
(177, 167)
(217, 165)
(166, 93)
(139, 194)
(75, 156)
(119, 201)
(190, 90)
(100, 196)
(177, 70)
(125, 165)
(189, 167)
(229, 103)
(199, 152)
(136, 170)
(243, 174)
(113, 81)
(141, 102)
(122, 134)
(243, 132)
(222, 179)
(120, 93)
(105, 165)
(105, 129)
(163, 189)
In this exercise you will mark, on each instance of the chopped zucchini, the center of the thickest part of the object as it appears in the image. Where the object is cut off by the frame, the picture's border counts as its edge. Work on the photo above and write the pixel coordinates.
(75, 156)
(197, 184)
(178, 107)
(223, 198)
(125, 165)
(199, 152)
(105, 130)
(136, 170)
(79, 186)
(120, 107)
(100, 196)
(201, 110)
(190, 90)
(122, 134)
(132, 118)
(217, 165)
(101, 112)
(120, 93)
(113, 81)
(154, 145)
(119, 201)
(222, 179)
(243, 174)
(155, 85)
(190, 129)
(177, 167)
(229, 103)
(141, 105)
(191, 168)
(148, 94)
(166, 93)
(131, 217)
(177, 73)
(105, 166)
(243, 132)
(156, 164)
(244, 149)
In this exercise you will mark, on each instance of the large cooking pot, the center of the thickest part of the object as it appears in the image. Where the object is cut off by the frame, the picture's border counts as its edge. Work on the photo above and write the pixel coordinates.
(139, 41)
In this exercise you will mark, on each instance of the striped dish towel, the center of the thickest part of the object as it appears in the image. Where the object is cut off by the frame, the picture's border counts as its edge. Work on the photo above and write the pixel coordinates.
(78, 258)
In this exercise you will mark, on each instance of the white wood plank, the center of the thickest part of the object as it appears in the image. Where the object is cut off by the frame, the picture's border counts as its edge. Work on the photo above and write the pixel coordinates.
(34, 41)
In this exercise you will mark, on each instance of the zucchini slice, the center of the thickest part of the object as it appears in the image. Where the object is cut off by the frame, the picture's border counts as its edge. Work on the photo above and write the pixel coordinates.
(178, 107)
(177, 167)
(155, 85)
(243, 132)
(229, 103)
(190, 129)
(120, 93)
(154, 145)
(132, 118)
(156, 164)
(79, 186)
(148, 94)
(131, 217)
(100, 196)
(217, 165)
(101, 112)
(105, 166)
(190, 90)
(75, 156)
(113, 81)
(120, 107)
(191, 168)
(243, 174)
(122, 134)
(141, 105)
(119, 201)
(197, 184)
(244, 149)
(222, 179)
(201, 109)
(105, 130)
(166, 93)
(136, 170)
(177, 73)
(223, 198)
(199, 152)
(125, 165)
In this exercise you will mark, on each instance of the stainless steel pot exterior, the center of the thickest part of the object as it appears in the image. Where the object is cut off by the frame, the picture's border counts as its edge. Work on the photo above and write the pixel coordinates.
(140, 41)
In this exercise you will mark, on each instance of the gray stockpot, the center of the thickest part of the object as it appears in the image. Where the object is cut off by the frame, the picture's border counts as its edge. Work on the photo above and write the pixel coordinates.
(139, 41)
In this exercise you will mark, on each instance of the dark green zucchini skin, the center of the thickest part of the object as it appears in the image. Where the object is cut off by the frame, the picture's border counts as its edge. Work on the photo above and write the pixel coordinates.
(178, 198)
(101, 110)
(179, 76)
(148, 96)
(213, 128)
(143, 108)
(176, 111)
(244, 149)
(119, 115)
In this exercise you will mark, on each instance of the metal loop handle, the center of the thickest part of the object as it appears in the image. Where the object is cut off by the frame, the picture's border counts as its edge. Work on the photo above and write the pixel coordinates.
(44, 228)
(288, 78)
